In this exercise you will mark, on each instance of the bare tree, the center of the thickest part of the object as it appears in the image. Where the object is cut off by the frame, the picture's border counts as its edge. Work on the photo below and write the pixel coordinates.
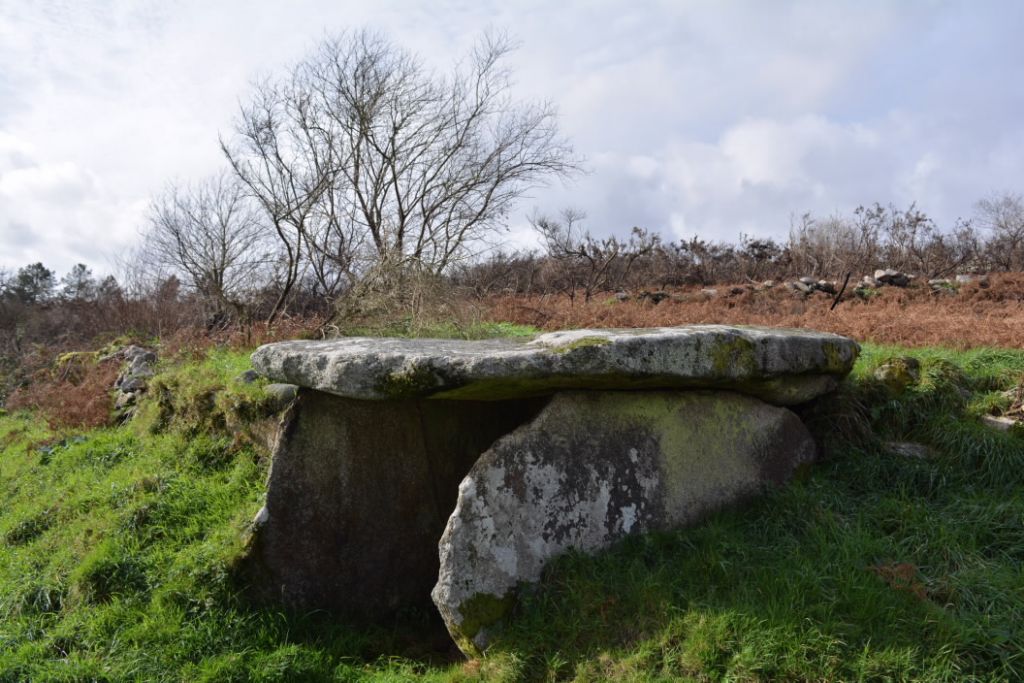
(212, 236)
(281, 152)
(365, 159)
(835, 245)
(1003, 215)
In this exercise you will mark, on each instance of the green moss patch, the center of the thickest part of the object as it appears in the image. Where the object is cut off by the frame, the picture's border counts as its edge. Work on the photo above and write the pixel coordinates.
(409, 383)
(482, 610)
(735, 356)
(581, 343)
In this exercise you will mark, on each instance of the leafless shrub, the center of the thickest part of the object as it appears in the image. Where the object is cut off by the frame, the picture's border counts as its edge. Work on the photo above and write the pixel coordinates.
(211, 236)
(1003, 216)
(581, 261)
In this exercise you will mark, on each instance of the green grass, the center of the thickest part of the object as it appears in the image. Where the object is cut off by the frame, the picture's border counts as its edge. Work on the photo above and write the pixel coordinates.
(121, 547)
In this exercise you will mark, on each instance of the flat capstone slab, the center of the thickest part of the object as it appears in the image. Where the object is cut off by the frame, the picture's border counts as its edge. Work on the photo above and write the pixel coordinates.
(780, 366)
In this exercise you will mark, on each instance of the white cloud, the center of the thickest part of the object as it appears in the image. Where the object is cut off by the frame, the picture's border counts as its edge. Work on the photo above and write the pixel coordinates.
(695, 117)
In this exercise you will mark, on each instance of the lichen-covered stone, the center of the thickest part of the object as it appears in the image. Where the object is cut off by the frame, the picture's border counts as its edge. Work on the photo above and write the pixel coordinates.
(280, 395)
(781, 366)
(591, 468)
(899, 373)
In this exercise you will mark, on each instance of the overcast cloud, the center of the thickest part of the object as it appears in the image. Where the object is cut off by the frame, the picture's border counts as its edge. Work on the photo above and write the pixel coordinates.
(709, 118)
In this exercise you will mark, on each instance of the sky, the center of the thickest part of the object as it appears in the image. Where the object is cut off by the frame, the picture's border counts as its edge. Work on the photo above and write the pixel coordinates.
(693, 118)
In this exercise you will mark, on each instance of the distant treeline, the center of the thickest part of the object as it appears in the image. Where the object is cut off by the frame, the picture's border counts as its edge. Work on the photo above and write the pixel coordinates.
(37, 305)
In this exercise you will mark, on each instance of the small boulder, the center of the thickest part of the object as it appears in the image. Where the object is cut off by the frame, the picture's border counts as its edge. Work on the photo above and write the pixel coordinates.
(144, 372)
(942, 286)
(653, 297)
(248, 377)
(910, 449)
(133, 385)
(801, 287)
(281, 394)
(892, 277)
(899, 373)
(966, 279)
(1000, 423)
(125, 400)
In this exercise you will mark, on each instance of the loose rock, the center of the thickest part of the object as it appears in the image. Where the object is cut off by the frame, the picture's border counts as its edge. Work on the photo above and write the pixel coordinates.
(981, 280)
(892, 277)
(899, 373)
(999, 423)
(248, 377)
(281, 394)
(132, 382)
(909, 449)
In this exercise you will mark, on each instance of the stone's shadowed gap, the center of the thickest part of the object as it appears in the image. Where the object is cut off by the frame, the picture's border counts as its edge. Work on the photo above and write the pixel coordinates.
(359, 493)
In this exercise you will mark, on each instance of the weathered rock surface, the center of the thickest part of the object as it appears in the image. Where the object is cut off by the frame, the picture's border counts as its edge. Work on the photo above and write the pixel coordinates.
(911, 449)
(358, 494)
(1000, 423)
(281, 395)
(591, 468)
(895, 278)
(899, 373)
(781, 366)
(134, 378)
(981, 280)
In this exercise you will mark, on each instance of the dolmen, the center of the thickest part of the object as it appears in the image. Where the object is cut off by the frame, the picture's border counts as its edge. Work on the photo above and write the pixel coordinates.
(409, 468)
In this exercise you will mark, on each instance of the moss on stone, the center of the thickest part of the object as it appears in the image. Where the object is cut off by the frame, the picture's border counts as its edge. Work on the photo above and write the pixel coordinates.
(409, 383)
(835, 360)
(77, 357)
(730, 355)
(480, 611)
(897, 374)
(581, 343)
(700, 450)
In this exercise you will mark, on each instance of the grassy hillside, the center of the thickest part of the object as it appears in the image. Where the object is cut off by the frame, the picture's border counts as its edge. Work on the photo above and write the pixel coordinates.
(121, 547)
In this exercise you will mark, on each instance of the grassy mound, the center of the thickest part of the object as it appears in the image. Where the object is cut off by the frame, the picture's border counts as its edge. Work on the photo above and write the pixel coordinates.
(121, 548)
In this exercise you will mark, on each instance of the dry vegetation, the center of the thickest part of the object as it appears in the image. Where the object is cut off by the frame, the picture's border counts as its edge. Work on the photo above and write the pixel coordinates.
(974, 316)
(73, 388)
